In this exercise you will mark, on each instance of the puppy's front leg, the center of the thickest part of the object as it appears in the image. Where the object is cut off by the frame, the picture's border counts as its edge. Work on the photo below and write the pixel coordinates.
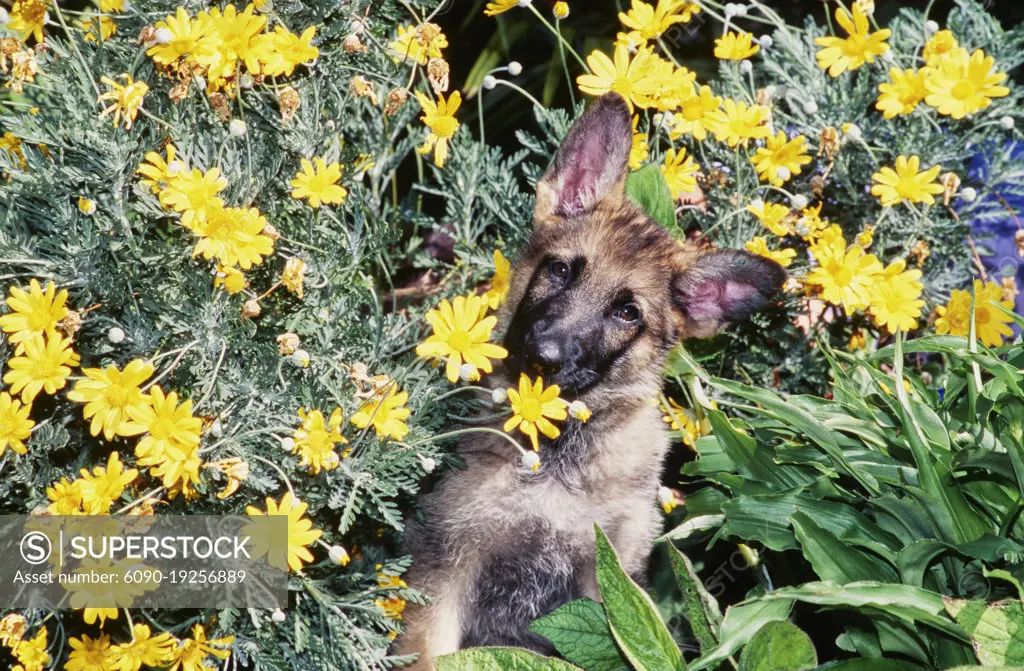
(434, 629)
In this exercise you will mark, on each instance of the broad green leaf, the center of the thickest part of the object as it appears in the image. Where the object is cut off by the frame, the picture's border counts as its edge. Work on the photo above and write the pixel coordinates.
(935, 478)
(632, 615)
(692, 525)
(647, 188)
(802, 421)
(835, 560)
(753, 462)
(500, 659)
(1001, 574)
(910, 604)
(996, 629)
(579, 631)
(779, 646)
(701, 608)
(739, 626)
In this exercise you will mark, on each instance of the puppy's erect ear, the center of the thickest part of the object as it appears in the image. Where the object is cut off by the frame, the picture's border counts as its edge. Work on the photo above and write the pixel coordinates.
(721, 287)
(591, 164)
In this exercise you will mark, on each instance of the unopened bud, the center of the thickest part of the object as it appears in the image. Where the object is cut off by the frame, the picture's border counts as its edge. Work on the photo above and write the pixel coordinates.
(968, 194)
(338, 555)
(499, 396)
(799, 201)
(531, 460)
(783, 173)
(931, 26)
(1006, 122)
(163, 36)
(468, 373)
(579, 410)
(300, 358)
(489, 82)
(766, 41)
(810, 107)
(428, 463)
(287, 443)
(278, 616)
(746, 67)
(237, 127)
(115, 335)
(515, 68)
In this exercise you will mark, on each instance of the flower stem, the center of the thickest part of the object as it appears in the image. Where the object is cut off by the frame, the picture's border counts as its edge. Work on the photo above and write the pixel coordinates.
(557, 34)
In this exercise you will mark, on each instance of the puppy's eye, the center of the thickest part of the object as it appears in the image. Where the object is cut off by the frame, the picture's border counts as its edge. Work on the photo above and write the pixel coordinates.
(628, 313)
(560, 271)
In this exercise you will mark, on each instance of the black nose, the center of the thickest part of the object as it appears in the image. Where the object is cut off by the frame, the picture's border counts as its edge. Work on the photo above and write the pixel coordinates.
(546, 353)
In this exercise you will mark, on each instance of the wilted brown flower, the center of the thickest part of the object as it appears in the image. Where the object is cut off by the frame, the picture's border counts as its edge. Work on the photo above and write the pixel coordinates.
(147, 36)
(829, 144)
(289, 101)
(920, 252)
(251, 308)
(363, 88)
(1009, 285)
(220, 103)
(293, 275)
(396, 98)
(437, 74)
(72, 322)
(950, 185)
(352, 45)
(235, 469)
(12, 628)
(287, 343)
(270, 231)
(1018, 239)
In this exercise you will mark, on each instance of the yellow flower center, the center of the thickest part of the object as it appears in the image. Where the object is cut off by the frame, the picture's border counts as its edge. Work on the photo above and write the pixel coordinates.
(318, 183)
(444, 126)
(459, 341)
(854, 46)
(739, 126)
(981, 315)
(531, 410)
(964, 89)
(117, 396)
(843, 276)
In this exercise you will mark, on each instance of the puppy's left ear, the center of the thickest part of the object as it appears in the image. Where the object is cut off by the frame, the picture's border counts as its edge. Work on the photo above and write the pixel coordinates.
(722, 287)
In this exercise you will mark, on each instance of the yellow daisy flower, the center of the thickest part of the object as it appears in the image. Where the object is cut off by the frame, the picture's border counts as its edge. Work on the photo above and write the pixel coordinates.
(991, 325)
(940, 43)
(780, 158)
(639, 150)
(692, 113)
(88, 654)
(34, 312)
(633, 77)
(959, 84)
(440, 119)
(144, 649)
(316, 438)
(160, 172)
(901, 95)
(533, 408)
(319, 183)
(387, 414)
(166, 424)
(125, 99)
(98, 28)
(859, 47)
(906, 183)
(461, 335)
(684, 421)
(418, 43)
(110, 395)
(237, 37)
(31, 652)
(186, 39)
(736, 123)
(65, 497)
(648, 23)
(300, 532)
(231, 279)
(895, 301)
(759, 246)
(190, 654)
(500, 282)
(772, 215)
(679, 170)
(44, 365)
(27, 17)
(194, 194)
(15, 426)
(105, 485)
(177, 467)
(735, 46)
(288, 50)
(844, 276)
(500, 7)
(234, 236)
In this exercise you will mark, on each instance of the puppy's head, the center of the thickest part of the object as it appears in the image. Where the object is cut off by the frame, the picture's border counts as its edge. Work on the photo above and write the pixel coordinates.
(602, 292)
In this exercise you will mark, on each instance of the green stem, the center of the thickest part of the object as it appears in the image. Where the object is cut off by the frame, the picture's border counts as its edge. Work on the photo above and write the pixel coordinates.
(558, 35)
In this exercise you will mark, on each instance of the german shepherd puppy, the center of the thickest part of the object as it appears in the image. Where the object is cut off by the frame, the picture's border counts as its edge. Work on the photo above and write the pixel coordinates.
(598, 298)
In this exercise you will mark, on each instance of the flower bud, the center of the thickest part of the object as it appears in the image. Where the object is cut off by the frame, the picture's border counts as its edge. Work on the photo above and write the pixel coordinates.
(799, 201)
(525, 3)
(579, 410)
(357, 27)
(499, 396)
(931, 27)
(115, 335)
(968, 194)
(246, 81)
(531, 460)
(5, 18)
(489, 82)
(217, 428)
(852, 132)
(237, 127)
(515, 68)
(667, 499)
(278, 616)
(300, 358)
(287, 443)
(783, 173)
(746, 67)
(468, 373)
(86, 206)
(766, 41)
(561, 10)
(428, 463)
(810, 107)
(338, 555)
(731, 10)
(741, 10)
(163, 36)
(1006, 122)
